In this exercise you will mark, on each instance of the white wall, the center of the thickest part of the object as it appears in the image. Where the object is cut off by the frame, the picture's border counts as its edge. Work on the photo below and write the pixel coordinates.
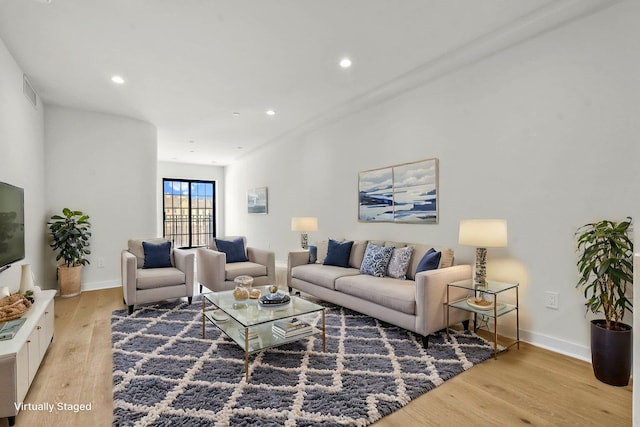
(22, 163)
(190, 171)
(636, 343)
(105, 166)
(544, 134)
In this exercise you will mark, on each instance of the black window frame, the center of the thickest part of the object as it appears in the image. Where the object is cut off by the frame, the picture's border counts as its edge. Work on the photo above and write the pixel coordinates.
(189, 221)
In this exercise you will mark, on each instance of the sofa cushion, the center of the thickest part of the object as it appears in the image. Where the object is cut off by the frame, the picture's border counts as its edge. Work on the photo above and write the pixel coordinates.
(135, 247)
(430, 261)
(152, 278)
(376, 259)
(399, 295)
(321, 275)
(399, 262)
(246, 268)
(338, 253)
(233, 249)
(357, 253)
(157, 255)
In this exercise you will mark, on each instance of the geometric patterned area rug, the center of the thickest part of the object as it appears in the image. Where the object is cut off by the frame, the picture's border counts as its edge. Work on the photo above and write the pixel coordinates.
(164, 373)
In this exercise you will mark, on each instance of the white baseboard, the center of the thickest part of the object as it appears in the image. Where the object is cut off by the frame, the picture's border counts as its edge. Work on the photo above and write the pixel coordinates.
(556, 345)
(101, 285)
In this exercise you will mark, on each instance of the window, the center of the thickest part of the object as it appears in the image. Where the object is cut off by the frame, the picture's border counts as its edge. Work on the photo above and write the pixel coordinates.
(188, 212)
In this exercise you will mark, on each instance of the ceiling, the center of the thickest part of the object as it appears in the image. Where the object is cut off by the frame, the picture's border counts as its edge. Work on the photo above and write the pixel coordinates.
(188, 65)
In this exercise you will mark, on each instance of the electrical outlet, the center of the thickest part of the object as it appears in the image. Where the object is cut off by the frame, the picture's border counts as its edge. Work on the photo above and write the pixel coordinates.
(100, 262)
(551, 300)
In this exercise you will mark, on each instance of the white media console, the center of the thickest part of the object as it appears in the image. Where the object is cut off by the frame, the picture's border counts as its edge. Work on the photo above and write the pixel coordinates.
(20, 356)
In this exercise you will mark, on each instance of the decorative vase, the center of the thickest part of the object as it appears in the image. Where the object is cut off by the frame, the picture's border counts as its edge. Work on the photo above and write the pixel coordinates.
(243, 287)
(26, 280)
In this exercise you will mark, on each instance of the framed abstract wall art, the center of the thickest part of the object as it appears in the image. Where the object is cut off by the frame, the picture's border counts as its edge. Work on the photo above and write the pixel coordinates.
(257, 200)
(405, 193)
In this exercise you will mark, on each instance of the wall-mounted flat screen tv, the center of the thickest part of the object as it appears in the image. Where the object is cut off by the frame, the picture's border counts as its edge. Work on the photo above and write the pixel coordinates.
(11, 224)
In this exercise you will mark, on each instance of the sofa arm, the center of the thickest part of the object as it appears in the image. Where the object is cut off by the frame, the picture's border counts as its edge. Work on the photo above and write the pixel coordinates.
(211, 268)
(266, 258)
(431, 295)
(185, 262)
(295, 259)
(128, 267)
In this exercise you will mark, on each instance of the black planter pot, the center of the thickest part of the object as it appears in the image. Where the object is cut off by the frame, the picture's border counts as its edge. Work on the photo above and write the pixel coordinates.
(611, 353)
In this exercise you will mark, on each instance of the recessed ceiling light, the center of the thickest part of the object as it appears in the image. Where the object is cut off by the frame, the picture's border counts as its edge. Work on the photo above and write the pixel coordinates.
(117, 80)
(345, 63)
(235, 114)
(271, 112)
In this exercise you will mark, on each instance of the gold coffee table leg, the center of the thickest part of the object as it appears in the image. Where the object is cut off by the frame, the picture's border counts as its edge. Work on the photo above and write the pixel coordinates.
(246, 355)
(324, 339)
(203, 298)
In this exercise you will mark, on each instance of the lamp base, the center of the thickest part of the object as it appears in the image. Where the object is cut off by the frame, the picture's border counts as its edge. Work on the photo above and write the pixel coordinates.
(304, 240)
(480, 275)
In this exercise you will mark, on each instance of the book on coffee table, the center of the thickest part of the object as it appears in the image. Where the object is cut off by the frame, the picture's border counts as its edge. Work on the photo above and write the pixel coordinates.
(253, 335)
(289, 328)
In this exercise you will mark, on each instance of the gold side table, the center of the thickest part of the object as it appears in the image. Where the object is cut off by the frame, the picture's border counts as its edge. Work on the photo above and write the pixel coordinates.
(497, 309)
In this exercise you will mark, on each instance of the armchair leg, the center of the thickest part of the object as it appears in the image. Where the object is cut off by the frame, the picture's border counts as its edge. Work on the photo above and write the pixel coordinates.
(200, 288)
(189, 299)
(465, 325)
(131, 309)
(425, 341)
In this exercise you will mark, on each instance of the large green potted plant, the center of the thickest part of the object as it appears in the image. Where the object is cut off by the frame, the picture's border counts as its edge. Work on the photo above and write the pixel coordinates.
(605, 265)
(70, 238)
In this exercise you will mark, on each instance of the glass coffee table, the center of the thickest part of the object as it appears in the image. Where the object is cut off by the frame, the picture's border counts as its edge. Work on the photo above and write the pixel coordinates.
(250, 324)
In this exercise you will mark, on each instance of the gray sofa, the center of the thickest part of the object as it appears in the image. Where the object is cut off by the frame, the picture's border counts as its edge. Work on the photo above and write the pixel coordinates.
(417, 304)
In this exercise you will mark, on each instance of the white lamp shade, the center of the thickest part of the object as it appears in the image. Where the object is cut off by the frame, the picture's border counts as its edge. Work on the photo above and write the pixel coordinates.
(304, 223)
(483, 233)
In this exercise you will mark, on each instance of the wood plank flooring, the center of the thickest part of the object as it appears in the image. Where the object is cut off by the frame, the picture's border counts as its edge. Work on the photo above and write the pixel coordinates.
(530, 386)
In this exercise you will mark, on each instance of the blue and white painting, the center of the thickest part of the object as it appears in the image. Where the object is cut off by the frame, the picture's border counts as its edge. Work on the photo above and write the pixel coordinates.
(257, 200)
(375, 189)
(403, 193)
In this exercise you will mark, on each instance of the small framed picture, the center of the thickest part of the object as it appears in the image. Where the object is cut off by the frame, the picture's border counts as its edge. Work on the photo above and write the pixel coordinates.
(257, 200)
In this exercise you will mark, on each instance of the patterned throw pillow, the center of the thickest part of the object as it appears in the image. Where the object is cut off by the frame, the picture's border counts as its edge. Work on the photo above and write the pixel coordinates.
(399, 262)
(376, 259)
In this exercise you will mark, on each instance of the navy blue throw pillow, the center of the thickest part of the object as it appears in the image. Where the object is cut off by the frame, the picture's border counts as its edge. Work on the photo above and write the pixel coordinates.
(313, 254)
(430, 261)
(338, 253)
(157, 255)
(234, 249)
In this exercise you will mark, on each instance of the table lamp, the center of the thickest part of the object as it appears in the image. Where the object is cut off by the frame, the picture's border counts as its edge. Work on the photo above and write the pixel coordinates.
(483, 234)
(304, 225)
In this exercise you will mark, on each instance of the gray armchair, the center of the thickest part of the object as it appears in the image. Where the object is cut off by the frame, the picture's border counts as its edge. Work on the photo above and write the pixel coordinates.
(143, 285)
(216, 274)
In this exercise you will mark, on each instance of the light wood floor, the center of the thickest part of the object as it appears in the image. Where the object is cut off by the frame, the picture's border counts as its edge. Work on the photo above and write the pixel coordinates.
(530, 386)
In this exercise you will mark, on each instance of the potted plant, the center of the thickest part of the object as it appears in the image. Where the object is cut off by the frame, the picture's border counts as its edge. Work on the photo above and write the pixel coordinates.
(70, 233)
(605, 265)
